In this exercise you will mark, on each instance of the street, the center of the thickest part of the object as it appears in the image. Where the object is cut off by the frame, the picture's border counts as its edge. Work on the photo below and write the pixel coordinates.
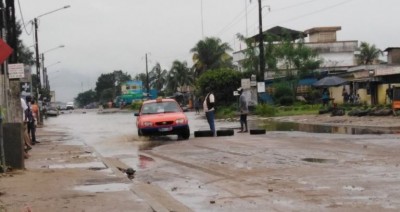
(80, 152)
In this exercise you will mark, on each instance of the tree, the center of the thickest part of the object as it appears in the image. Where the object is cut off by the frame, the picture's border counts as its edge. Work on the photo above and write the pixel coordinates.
(222, 82)
(86, 98)
(211, 53)
(110, 81)
(368, 54)
(179, 75)
(251, 61)
(157, 77)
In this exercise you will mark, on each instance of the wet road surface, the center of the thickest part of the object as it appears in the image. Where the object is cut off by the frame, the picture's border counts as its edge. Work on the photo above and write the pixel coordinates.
(279, 171)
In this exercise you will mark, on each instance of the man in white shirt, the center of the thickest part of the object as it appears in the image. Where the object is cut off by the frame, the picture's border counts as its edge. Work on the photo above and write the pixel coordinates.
(208, 105)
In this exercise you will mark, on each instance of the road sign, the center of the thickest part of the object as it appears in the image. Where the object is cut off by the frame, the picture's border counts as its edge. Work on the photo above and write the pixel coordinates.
(16, 71)
(25, 88)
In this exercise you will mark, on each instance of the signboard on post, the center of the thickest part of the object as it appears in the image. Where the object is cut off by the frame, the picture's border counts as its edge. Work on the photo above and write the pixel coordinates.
(260, 87)
(245, 83)
(16, 71)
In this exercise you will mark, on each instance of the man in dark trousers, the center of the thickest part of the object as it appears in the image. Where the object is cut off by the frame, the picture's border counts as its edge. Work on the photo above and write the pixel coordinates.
(209, 109)
(244, 110)
(30, 120)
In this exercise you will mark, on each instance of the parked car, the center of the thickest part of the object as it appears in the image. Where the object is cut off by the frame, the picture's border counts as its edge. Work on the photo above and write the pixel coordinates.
(162, 117)
(70, 106)
(52, 111)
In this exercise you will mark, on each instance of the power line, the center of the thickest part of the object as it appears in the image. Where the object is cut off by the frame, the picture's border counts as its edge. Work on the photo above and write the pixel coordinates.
(317, 11)
(22, 18)
(234, 21)
(240, 15)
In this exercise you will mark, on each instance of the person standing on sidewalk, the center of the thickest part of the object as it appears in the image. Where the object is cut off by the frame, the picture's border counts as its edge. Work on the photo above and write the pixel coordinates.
(244, 110)
(209, 109)
(30, 120)
(35, 111)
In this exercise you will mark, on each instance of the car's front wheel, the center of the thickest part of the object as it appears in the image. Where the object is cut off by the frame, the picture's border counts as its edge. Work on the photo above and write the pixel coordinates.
(185, 134)
(139, 132)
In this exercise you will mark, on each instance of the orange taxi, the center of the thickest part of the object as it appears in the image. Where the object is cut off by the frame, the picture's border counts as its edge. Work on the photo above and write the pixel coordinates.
(162, 117)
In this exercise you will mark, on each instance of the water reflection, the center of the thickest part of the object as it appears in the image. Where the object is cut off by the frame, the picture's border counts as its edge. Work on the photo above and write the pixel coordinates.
(314, 128)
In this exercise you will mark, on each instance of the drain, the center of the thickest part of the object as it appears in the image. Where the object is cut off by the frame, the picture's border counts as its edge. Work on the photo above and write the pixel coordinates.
(319, 160)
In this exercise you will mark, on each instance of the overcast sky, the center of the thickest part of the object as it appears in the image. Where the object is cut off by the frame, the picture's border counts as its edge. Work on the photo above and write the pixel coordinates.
(101, 36)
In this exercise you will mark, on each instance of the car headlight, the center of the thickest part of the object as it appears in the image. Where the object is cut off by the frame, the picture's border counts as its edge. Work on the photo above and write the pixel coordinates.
(180, 121)
(147, 124)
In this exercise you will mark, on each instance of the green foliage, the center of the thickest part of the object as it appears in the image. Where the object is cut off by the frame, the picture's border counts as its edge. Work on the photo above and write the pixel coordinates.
(86, 98)
(157, 77)
(136, 105)
(286, 100)
(368, 54)
(225, 112)
(265, 110)
(108, 86)
(179, 75)
(222, 82)
(211, 53)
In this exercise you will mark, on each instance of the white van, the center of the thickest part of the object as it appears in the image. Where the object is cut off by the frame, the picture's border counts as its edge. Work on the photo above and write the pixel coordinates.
(70, 105)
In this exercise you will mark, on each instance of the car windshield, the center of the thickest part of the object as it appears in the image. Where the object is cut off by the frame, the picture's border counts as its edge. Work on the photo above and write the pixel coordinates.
(160, 107)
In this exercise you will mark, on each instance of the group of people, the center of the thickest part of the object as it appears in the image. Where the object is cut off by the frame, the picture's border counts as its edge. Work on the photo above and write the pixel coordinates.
(30, 115)
(351, 98)
(209, 109)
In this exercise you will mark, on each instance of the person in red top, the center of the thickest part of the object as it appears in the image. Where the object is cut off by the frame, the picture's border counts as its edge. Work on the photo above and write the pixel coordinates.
(35, 111)
(32, 113)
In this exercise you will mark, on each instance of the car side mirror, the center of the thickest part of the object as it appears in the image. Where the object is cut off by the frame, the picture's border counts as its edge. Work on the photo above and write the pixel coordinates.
(137, 114)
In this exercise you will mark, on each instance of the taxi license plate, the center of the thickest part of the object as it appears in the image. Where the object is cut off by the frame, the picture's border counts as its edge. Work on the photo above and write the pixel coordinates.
(165, 129)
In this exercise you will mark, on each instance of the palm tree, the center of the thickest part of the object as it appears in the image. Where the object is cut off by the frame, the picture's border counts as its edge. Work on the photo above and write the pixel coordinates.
(141, 77)
(179, 75)
(211, 53)
(157, 77)
(368, 54)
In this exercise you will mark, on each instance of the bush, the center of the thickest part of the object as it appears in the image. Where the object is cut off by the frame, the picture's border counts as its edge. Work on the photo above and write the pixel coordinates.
(265, 110)
(225, 112)
(136, 105)
(282, 90)
(286, 100)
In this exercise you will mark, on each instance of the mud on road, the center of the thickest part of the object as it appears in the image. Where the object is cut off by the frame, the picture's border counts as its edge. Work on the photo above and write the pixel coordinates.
(75, 168)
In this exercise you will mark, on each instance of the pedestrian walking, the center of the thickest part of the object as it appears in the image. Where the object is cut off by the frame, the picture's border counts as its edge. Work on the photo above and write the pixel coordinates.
(209, 109)
(244, 110)
(197, 105)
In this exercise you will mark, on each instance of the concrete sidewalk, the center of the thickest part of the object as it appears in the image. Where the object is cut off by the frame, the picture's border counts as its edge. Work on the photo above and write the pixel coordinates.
(63, 174)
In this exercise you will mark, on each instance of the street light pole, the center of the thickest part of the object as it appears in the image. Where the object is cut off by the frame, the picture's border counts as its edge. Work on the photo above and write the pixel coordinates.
(147, 79)
(38, 86)
(35, 23)
(261, 42)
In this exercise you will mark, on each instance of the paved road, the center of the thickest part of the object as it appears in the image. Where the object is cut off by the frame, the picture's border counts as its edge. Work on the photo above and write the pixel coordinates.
(278, 171)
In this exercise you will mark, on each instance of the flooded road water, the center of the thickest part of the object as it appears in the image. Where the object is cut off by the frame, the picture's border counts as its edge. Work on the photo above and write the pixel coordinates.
(115, 134)
(281, 171)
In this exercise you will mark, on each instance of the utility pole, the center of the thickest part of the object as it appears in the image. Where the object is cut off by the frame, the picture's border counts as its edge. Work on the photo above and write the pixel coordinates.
(261, 42)
(38, 85)
(147, 79)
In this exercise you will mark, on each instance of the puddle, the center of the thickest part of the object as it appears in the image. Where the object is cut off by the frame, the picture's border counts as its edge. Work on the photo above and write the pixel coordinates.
(111, 187)
(313, 128)
(319, 160)
(145, 162)
(155, 142)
